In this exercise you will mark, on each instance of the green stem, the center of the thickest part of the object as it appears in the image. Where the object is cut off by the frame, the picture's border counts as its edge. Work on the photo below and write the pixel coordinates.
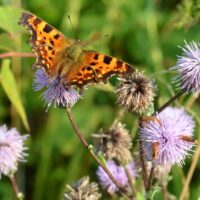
(19, 195)
(169, 101)
(150, 178)
(87, 146)
(143, 165)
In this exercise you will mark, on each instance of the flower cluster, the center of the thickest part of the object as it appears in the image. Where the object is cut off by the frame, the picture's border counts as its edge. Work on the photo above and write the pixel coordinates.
(119, 173)
(83, 189)
(169, 137)
(56, 93)
(188, 67)
(114, 143)
(11, 150)
(136, 93)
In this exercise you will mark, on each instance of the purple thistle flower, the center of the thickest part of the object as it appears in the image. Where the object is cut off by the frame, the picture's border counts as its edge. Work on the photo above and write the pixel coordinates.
(188, 67)
(172, 136)
(56, 93)
(119, 174)
(11, 150)
(40, 81)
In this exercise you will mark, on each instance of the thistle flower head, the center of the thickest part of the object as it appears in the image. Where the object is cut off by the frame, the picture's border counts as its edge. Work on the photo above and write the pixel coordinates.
(114, 143)
(55, 92)
(135, 93)
(119, 174)
(83, 190)
(11, 150)
(188, 67)
(168, 139)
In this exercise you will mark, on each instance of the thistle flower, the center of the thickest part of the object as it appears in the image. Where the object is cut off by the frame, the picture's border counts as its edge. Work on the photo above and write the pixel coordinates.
(119, 174)
(11, 150)
(168, 141)
(136, 93)
(83, 190)
(188, 67)
(55, 93)
(114, 143)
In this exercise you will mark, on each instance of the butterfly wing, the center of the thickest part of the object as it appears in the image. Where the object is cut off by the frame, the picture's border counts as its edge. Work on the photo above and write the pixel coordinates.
(95, 67)
(49, 45)
(46, 42)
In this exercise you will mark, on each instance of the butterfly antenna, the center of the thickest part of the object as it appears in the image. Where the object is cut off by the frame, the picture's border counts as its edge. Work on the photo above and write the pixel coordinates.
(73, 29)
(93, 38)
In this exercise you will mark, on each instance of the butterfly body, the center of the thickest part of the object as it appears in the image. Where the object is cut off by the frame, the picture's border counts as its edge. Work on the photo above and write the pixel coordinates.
(59, 56)
(68, 59)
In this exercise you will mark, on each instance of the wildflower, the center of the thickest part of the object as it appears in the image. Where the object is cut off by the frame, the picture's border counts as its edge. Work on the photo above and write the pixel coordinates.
(11, 150)
(83, 190)
(168, 141)
(114, 143)
(119, 174)
(135, 93)
(56, 93)
(188, 67)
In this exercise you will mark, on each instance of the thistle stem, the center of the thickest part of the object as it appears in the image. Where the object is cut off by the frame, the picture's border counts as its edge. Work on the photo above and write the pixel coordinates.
(195, 160)
(130, 180)
(16, 54)
(150, 178)
(15, 187)
(86, 145)
(169, 102)
(143, 165)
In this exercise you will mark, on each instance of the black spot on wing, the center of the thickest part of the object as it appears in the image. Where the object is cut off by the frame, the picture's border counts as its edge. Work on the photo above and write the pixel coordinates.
(93, 63)
(37, 21)
(119, 64)
(56, 36)
(47, 28)
(50, 48)
(52, 42)
(96, 56)
(107, 60)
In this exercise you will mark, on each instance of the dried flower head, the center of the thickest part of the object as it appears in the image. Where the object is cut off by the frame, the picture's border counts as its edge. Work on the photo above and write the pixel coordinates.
(188, 67)
(83, 190)
(135, 93)
(119, 174)
(114, 143)
(55, 93)
(11, 150)
(168, 139)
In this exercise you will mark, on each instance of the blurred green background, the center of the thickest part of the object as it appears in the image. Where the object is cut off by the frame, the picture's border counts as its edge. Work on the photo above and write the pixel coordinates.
(143, 33)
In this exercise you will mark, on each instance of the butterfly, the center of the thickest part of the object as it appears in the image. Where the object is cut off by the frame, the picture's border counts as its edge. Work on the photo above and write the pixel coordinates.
(61, 57)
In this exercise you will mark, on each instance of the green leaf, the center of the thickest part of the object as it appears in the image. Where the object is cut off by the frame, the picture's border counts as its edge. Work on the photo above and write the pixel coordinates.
(9, 17)
(139, 196)
(10, 87)
(151, 194)
(6, 42)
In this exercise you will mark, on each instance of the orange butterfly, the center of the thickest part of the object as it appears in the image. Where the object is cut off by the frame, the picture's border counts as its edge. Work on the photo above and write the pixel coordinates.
(59, 56)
